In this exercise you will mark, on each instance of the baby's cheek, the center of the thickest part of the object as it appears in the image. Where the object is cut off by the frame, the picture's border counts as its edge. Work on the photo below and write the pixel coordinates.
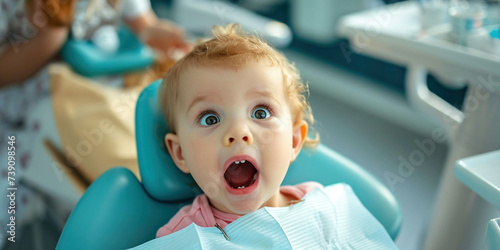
(210, 184)
(269, 132)
(265, 137)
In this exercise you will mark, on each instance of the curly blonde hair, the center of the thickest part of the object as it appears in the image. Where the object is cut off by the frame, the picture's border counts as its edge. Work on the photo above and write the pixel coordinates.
(232, 48)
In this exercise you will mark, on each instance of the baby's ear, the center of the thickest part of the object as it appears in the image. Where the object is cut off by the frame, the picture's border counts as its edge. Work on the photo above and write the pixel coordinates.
(299, 136)
(175, 150)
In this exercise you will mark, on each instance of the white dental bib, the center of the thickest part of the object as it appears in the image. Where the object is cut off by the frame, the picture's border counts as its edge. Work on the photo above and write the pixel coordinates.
(328, 218)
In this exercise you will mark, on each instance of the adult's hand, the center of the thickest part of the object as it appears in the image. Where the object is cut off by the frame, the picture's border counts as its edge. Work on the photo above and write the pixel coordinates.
(165, 37)
(159, 34)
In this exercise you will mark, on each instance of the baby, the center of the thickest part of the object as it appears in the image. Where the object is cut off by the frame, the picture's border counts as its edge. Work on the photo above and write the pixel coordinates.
(238, 117)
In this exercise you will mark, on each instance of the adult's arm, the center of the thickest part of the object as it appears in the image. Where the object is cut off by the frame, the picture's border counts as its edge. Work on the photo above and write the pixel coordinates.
(22, 58)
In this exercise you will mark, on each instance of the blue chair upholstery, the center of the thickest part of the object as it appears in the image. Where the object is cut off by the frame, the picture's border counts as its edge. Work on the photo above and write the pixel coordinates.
(117, 211)
(86, 59)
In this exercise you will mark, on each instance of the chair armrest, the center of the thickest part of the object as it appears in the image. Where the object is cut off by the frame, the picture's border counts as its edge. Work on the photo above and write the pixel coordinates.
(115, 213)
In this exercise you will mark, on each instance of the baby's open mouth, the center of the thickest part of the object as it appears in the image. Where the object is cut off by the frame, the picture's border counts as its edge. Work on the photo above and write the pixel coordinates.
(240, 174)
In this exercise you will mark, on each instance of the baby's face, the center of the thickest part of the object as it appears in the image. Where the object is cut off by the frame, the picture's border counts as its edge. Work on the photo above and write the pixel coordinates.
(235, 135)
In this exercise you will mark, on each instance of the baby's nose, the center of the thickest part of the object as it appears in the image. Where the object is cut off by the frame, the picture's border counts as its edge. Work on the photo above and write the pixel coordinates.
(244, 136)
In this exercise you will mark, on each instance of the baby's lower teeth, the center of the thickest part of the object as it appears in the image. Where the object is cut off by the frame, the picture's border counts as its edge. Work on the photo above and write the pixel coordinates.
(255, 176)
(241, 187)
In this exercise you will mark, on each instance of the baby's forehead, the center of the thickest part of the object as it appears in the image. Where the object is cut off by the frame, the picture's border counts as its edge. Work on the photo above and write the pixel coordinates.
(221, 65)
(195, 70)
(249, 78)
(200, 71)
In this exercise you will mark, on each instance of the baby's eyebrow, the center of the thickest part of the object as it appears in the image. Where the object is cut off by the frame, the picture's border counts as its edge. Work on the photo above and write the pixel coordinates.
(265, 93)
(206, 97)
(257, 93)
(197, 100)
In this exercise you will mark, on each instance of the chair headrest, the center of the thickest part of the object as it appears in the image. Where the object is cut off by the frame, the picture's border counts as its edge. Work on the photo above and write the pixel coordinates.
(160, 177)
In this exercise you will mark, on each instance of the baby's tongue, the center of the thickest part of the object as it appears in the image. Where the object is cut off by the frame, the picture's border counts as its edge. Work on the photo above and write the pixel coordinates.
(238, 175)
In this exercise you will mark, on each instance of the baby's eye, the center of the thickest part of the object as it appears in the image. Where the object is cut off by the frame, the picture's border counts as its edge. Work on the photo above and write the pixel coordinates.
(261, 113)
(209, 119)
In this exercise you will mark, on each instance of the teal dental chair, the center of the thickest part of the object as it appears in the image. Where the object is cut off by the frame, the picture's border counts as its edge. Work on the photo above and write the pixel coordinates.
(88, 60)
(118, 211)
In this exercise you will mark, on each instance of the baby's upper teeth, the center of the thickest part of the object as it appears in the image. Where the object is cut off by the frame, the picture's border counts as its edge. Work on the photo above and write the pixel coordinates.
(243, 161)
(237, 162)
